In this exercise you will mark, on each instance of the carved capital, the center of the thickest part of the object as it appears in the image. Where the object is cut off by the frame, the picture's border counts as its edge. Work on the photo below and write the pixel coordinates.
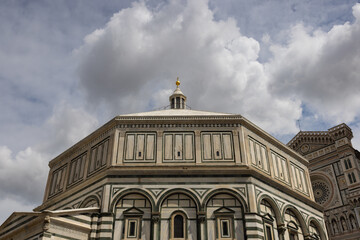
(201, 217)
(281, 229)
(155, 217)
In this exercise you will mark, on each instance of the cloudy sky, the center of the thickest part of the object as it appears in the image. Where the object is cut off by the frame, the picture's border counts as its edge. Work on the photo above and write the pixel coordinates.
(67, 67)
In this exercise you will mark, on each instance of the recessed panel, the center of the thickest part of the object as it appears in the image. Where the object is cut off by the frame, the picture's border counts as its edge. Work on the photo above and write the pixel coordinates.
(217, 146)
(168, 145)
(178, 147)
(189, 143)
(150, 146)
(207, 146)
(140, 143)
(130, 140)
(228, 148)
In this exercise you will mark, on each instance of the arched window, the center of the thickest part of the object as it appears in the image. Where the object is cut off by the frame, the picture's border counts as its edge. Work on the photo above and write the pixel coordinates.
(353, 222)
(177, 102)
(334, 226)
(352, 178)
(178, 223)
(343, 224)
(292, 224)
(267, 210)
(314, 232)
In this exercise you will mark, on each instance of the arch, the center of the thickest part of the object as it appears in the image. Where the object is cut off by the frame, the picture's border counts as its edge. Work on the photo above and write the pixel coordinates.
(174, 191)
(343, 224)
(227, 191)
(300, 218)
(88, 200)
(131, 191)
(274, 206)
(334, 226)
(184, 219)
(319, 227)
(353, 223)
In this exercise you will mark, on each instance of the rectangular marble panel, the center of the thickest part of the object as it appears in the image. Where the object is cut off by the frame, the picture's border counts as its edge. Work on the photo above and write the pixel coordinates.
(252, 151)
(228, 146)
(258, 155)
(130, 142)
(140, 142)
(284, 169)
(150, 146)
(189, 147)
(168, 144)
(217, 146)
(303, 180)
(93, 160)
(105, 152)
(99, 156)
(207, 146)
(275, 165)
(294, 176)
(178, 147)
(264, 159)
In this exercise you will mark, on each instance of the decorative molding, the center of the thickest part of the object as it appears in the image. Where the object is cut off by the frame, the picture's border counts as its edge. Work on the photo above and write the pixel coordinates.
(305, 215)
(76, 205)
(115, 190)
(200, 191)
(242, 190)
(183, 125)
(279, 203)
(156, 191)
(257, 192)
(99, 194)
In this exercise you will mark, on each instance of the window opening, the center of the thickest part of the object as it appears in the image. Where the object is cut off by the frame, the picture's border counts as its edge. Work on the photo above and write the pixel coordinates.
(139, 154)
(293, 236)
(349, 162)
(178, 226)
(353, 177)
(353, 222)
(172, 103)
(346, 164)
(268, 230)
(343, 224)
(217, 153)
(132, 228)
(225, 228)
(178, 153)
(177, 102)
(334, 226)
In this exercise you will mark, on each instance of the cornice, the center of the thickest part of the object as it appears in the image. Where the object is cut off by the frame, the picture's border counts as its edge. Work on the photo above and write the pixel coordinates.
(169, 171)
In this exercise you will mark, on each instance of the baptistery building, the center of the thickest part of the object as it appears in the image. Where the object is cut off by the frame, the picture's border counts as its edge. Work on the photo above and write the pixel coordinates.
(176, 174)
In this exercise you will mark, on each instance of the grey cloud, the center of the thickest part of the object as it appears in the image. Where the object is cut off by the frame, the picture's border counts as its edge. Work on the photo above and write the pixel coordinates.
(321, 69)
(141, 51)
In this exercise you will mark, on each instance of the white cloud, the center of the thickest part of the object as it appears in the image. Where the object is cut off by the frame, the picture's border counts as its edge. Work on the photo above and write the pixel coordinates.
(141, 51)
(23, 174)
(66, 126)
(321, 69)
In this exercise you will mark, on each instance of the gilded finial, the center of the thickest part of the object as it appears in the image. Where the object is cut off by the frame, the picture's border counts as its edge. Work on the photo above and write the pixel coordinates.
(177, 81)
